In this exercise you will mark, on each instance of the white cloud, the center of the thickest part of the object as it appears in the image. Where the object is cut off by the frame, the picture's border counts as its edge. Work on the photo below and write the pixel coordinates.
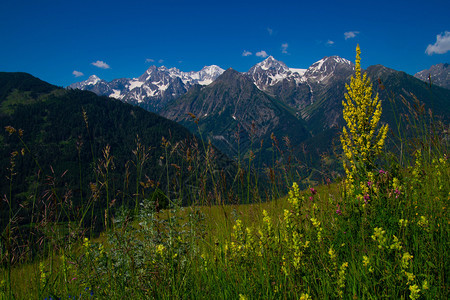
(270, 30)
(350, 34)
(329, 42)
(161, 61)
(101, 64)
(262, 53)
(284, 48)
(441, 46)
(149, 60)
(246, 53)
(77, 73)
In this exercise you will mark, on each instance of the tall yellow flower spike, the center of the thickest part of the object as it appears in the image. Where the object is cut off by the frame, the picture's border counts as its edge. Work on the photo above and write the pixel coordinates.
(360, 140)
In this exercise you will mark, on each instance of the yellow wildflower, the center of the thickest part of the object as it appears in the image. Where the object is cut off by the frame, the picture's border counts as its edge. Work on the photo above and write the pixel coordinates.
(305, 296)
(425, 285)
(410, 277)
(160, 249)
(396, 245)
(403, 222)
(405, 260)
(362, 114)
(415, 292)
(379, 236)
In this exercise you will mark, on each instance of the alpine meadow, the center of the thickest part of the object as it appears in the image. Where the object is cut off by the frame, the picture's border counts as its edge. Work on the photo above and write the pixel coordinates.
(329, 183)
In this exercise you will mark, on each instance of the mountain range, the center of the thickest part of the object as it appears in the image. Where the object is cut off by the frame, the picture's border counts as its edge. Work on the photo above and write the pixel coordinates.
(232, 109)
(153, 89)
(264, 97)
(158, 86)
(233, 113)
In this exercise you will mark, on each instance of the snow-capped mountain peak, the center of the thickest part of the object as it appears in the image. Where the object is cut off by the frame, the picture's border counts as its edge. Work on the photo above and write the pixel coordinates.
(271, 71)
(325, 68)
(268, 72)
(327, 63)
(212, 69)
(205, 76)
(157, 83)
(268, 63)
(271, 64)
(208, 74)
(93, 79)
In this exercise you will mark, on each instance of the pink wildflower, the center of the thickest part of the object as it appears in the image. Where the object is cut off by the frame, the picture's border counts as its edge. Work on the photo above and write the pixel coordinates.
(338, 210)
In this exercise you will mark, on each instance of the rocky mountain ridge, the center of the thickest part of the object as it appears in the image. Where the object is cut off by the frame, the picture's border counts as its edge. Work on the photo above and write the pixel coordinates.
(302, 104)
(232, 112)
(153, 89)
(438, 74)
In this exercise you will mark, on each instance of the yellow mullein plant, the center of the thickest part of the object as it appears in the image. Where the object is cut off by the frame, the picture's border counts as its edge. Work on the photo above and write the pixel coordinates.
(360, 140)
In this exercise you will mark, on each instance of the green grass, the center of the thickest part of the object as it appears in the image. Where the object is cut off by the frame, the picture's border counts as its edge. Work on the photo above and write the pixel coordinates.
(201, 252)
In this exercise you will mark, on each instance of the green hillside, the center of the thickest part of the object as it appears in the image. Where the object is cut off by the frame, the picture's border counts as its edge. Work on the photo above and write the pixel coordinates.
(61, 150)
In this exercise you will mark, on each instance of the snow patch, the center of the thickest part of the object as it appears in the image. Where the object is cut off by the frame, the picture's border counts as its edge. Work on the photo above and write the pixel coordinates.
(301, 72)
(163, 87)
(341, 60)
(276, 78)
(116, 94)
(135, 83)
(205, 82)
(318, 65)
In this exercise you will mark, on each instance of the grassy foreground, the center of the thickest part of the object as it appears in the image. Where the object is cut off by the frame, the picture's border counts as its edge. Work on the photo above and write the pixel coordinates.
(312, 244)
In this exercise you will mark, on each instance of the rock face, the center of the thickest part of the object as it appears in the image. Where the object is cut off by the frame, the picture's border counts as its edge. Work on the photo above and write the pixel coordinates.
(271, 72)
(233, 113)
(315, 94)
(153, 89)
(438, 74)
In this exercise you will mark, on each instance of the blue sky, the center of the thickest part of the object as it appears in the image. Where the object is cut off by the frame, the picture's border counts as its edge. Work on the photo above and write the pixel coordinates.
(114, 39)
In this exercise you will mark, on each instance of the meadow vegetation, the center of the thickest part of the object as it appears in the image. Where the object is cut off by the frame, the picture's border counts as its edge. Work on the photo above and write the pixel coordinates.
(380, 231)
